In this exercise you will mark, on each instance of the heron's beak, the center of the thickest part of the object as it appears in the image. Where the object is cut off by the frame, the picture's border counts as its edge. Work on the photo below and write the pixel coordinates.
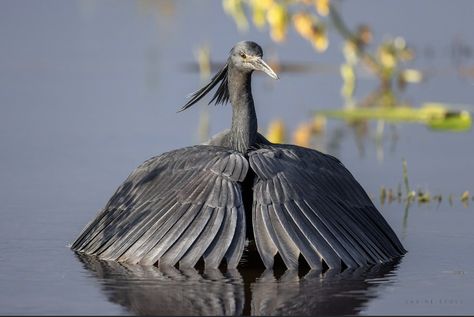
(259, 64)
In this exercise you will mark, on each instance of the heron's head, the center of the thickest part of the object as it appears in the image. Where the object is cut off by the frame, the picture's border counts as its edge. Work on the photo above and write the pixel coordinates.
(244, 57)
(247, 56)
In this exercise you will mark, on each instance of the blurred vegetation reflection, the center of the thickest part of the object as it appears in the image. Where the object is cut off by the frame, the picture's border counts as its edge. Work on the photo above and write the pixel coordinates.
(386, 61)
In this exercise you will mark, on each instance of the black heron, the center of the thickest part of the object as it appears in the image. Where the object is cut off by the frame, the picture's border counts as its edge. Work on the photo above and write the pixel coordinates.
(204, 201)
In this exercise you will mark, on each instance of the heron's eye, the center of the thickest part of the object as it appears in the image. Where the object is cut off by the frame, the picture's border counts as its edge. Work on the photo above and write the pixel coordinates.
(243, 55)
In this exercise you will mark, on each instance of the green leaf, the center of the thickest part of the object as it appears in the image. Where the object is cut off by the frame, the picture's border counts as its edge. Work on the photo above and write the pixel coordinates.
(436, 116)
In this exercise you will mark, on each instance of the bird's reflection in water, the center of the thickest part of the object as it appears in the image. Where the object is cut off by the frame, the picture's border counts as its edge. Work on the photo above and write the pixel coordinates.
(149, 290)
(330, 293)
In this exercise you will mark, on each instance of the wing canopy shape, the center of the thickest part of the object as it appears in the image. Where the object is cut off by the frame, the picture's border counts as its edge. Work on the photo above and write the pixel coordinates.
(175, 207)
(307, 202)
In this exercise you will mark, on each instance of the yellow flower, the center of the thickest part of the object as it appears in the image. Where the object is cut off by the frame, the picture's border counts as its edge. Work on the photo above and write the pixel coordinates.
(235, 9)
(303, 24)
(276, 14)
(276, 131)
(302, 135)
(277, 17)
(348, 78)
(410, 75)
(259, 9)
(320, 40)
(319, 124)
(350, 52)
(386, 58)
(278, 33)
(322, 7)
(266, 4)
(258, 17)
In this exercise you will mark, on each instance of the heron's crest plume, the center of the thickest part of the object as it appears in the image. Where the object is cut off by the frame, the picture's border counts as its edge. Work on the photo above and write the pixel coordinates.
(221, 95)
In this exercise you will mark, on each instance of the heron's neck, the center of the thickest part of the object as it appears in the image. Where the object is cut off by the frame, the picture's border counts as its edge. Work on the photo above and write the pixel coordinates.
(244, 120)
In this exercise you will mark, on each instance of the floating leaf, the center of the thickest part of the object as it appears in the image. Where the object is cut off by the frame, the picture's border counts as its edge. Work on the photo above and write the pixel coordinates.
(457, 121)
(434, 115)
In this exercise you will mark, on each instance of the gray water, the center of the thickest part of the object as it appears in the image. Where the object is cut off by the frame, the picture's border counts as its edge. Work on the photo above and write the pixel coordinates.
(90, 89)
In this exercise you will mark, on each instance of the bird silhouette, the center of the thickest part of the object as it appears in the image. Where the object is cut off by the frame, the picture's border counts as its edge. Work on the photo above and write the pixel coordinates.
(206, 201)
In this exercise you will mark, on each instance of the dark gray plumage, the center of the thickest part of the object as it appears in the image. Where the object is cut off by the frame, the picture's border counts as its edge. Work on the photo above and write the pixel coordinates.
(194, 202)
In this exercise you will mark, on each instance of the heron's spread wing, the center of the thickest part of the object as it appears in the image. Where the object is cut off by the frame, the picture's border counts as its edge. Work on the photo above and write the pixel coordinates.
(307, 202)
(176, 207)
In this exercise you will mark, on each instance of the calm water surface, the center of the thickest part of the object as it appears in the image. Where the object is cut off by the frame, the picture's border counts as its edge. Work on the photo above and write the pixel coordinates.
(90, 89)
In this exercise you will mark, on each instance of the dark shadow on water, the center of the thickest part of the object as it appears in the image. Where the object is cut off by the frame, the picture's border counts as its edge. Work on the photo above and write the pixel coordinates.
(149, 290)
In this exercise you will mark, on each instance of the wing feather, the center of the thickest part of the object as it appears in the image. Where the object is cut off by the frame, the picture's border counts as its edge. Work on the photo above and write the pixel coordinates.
(287, 248)
(218, 247)
(263, 240)
(175, 207)
(236, 248)
(165, 241)
(307, 202)
(301, 241)
(149, 238)
(207, 235)
(187, 238)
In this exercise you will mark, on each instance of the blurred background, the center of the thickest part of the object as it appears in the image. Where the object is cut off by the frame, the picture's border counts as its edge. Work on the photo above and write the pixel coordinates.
(90, 89)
